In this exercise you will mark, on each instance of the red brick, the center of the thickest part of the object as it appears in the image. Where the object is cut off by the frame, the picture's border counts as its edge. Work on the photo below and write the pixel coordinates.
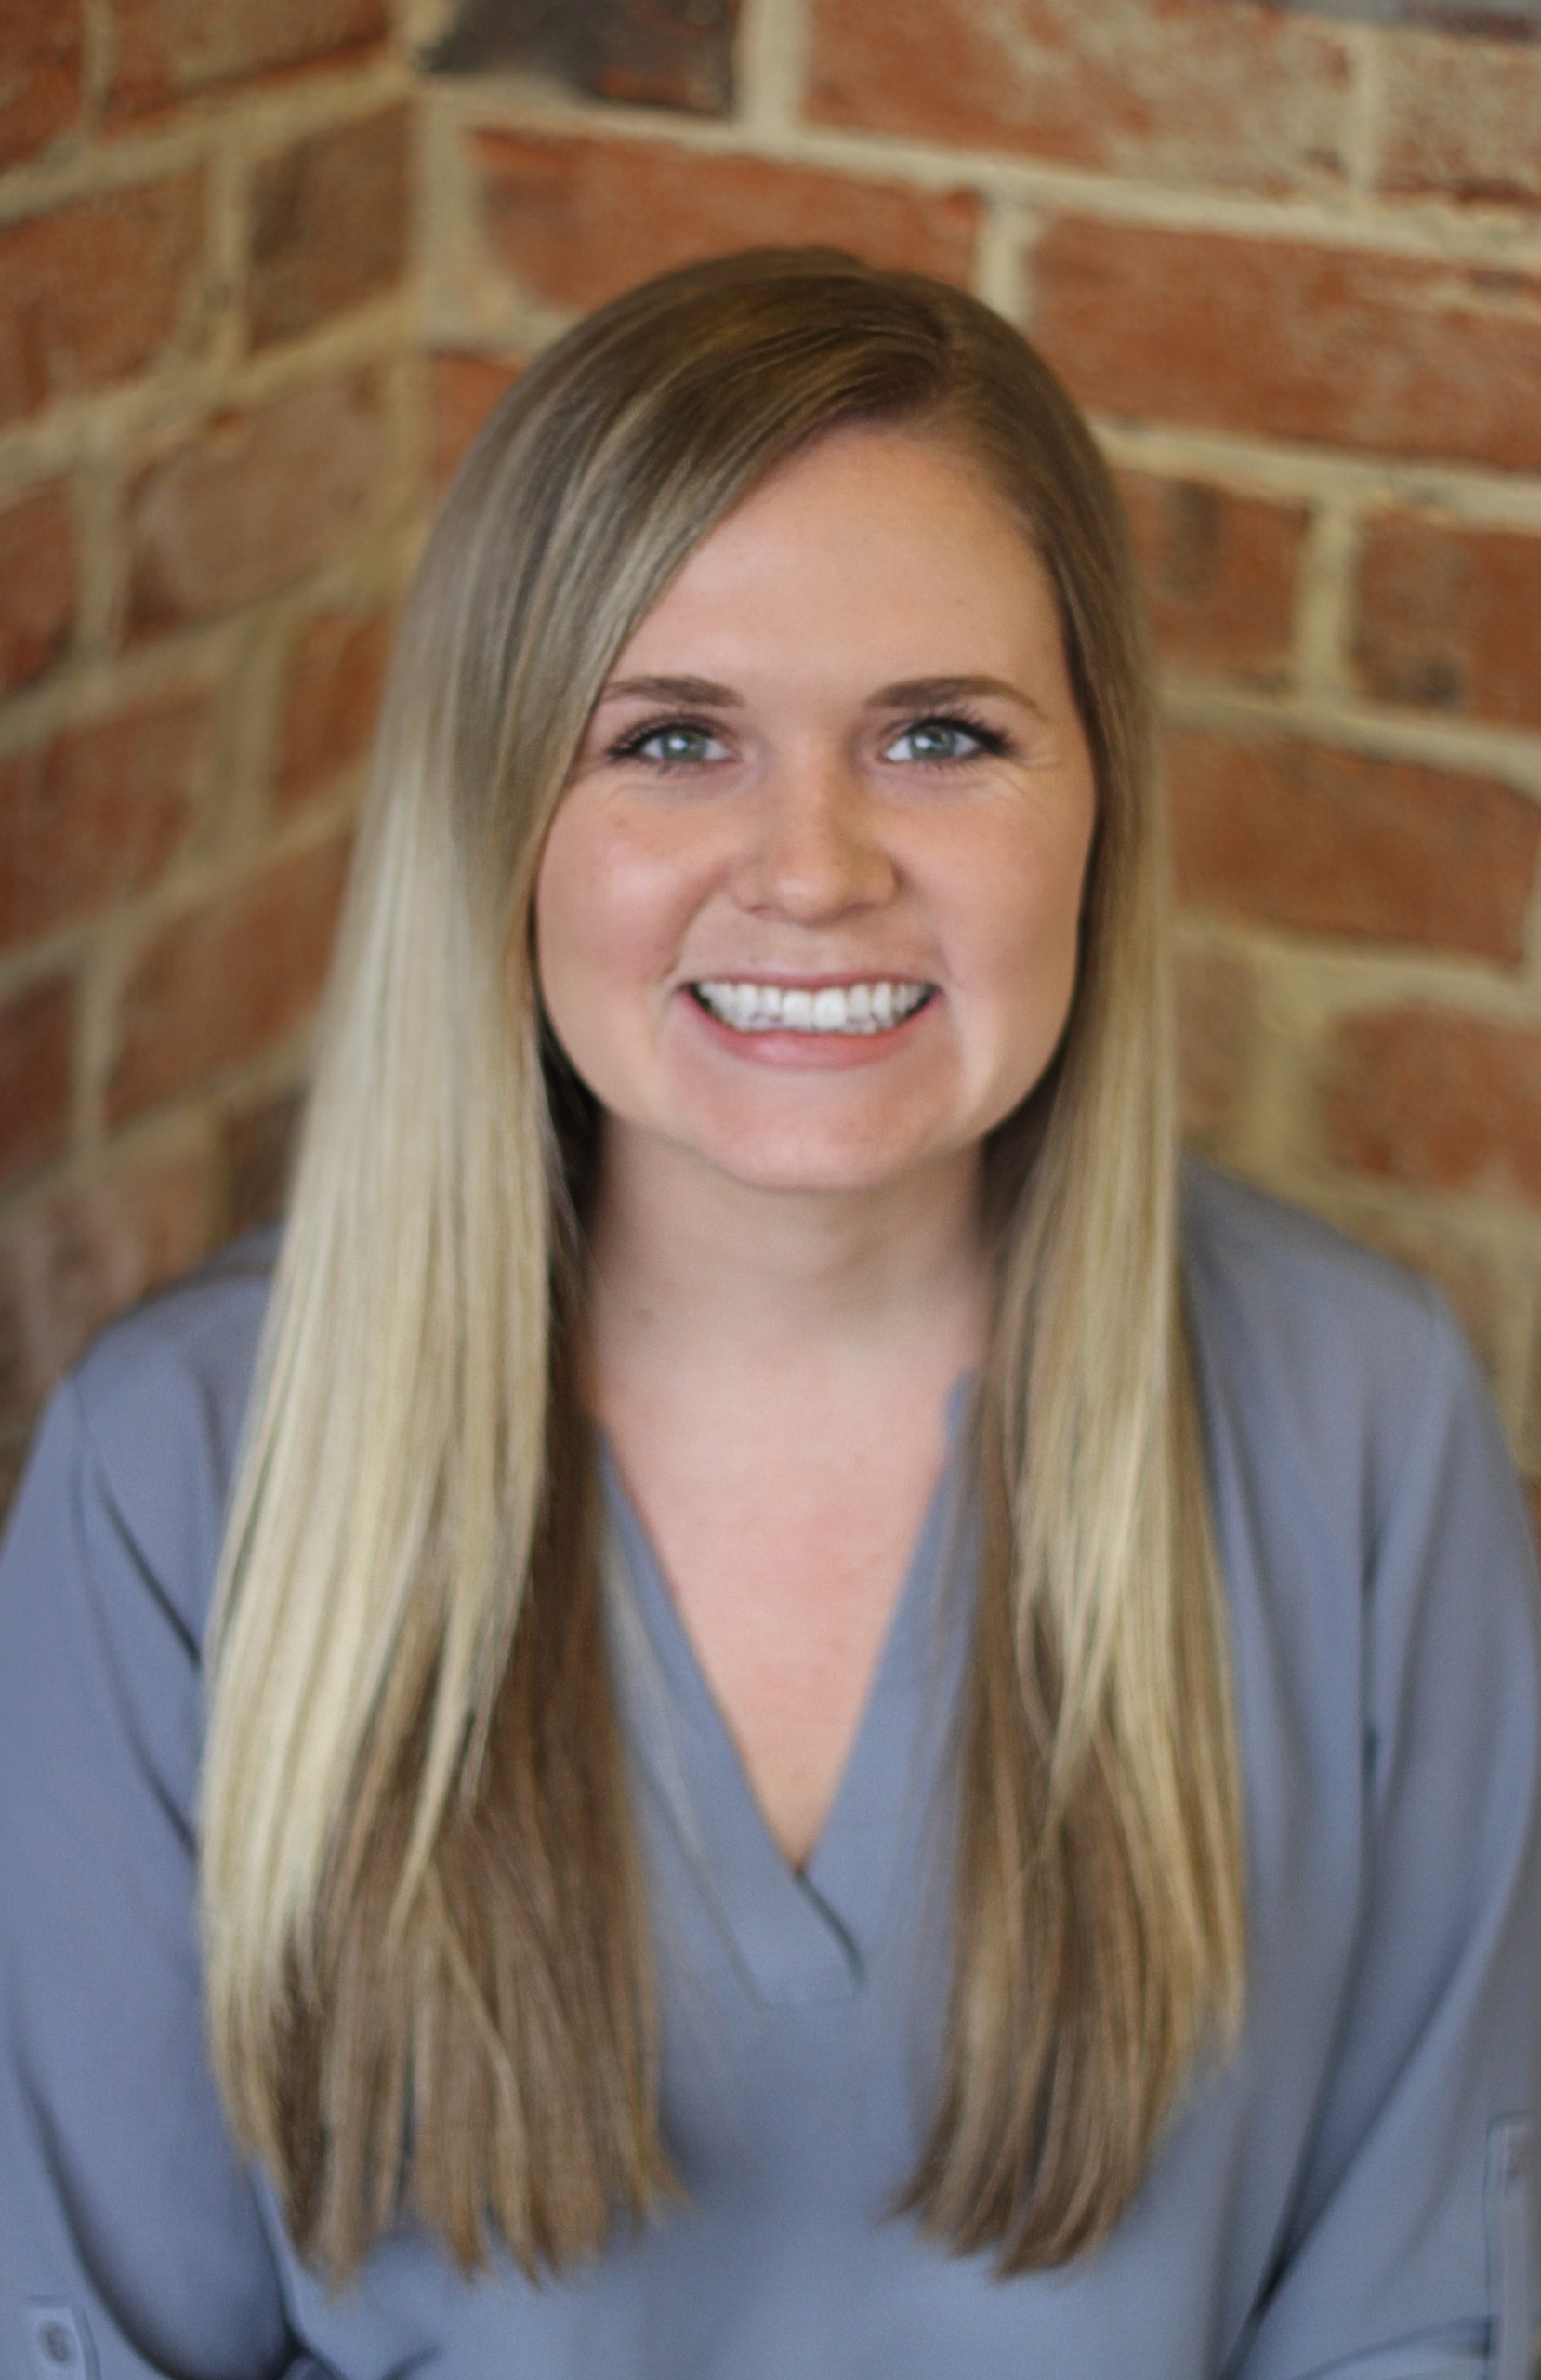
(1451, 618)
(668, 57)
(97, 291)
(1324, 841)
(1451, 1102)
(333, 692)
(1387, 353)
(1220, 573)
(39, 74)
(38, 584)
(36, 1037)
(258, 1145)
(222, 983)
(70, 1264)
(96, 815)
(1172, 90)
(1461, 119)
(462, 391)
(577, 219)
(15, 1442)
(1216, 1024)
(252, 500)
(329, 225)
(165, 50)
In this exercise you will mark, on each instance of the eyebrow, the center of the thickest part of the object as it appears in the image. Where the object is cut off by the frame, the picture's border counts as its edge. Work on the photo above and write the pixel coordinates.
(906, 693)
(702, 691)
(933, 694)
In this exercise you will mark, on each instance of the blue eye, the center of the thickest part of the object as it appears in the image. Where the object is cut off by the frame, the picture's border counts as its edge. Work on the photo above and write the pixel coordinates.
(944, 739)
(677, 744)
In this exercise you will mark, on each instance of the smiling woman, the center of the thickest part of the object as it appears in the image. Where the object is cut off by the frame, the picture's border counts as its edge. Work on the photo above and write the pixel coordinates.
(867, 803)
(810, 1713)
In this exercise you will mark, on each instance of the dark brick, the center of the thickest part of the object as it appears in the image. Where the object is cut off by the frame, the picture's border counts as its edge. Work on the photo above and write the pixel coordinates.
(329, 225)
(36, 1041)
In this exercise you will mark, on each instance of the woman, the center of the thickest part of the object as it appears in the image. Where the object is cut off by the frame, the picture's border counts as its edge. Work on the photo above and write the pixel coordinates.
(849, 1731)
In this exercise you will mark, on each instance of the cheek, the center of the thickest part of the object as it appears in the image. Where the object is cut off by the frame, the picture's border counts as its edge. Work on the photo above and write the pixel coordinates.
(609, 912)
(1019, 930)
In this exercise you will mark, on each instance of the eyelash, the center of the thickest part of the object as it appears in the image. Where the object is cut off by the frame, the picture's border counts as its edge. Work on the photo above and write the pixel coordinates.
(630, 746)
(991, 740)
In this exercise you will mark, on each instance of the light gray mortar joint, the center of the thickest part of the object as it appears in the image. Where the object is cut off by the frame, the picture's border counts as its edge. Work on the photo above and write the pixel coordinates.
(97, 31)
(1530, 963)
(1367, 103)
(1324, 602)
(96, 487)
(770, 66)
(1000, 269)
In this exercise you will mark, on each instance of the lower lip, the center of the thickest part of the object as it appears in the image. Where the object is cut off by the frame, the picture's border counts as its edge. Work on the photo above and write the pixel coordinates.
(812, 1052)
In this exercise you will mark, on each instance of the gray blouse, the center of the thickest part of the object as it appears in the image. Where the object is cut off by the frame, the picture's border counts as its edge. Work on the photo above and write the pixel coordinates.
(1347, 2193)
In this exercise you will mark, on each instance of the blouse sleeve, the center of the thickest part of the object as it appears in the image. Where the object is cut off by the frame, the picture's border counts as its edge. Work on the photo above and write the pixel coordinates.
(1411, 2251)
(130, 2239)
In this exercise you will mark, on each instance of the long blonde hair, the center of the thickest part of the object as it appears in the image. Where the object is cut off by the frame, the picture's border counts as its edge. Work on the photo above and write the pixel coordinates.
(428, 1974)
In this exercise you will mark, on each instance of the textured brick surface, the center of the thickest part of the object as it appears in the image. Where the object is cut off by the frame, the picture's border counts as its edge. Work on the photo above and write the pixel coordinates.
(1297, 834)
(72, 1261)
(96, 291)
(1461, 119)
(223, 982)
(331, 695)
(164, 50)
(1217, 1023)
(257, 1143)
(178, 477)
(36, 1032)
(254, 500)
(1219, 571)
(1447, 1100)
(462, 391)
(40, 53)
(1172, 90)
(329, 224)
(95, 813)
(1375, 352)
(39, 570)
(1451, 618)
(576, 220)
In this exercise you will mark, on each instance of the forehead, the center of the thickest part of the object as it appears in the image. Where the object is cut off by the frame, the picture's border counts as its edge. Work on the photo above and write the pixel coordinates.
(872, 537)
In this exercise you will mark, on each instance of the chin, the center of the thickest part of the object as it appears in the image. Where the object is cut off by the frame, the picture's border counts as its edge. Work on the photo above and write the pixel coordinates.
(810, 1165)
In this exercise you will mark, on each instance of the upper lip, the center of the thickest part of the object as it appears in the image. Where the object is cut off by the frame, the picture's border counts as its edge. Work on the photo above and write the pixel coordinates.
(836, 980)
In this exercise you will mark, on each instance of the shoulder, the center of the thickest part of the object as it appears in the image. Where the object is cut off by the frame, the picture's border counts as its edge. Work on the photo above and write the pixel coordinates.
(1304, 1338)
(157, 1405)
(1256, 1265)
(1318, 1359)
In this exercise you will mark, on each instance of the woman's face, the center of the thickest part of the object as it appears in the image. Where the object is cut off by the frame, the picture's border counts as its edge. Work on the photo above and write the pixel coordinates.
(808, 908)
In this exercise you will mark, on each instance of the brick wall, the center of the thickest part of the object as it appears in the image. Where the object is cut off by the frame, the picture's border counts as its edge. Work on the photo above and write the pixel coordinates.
(210, 474)
(1292, 266)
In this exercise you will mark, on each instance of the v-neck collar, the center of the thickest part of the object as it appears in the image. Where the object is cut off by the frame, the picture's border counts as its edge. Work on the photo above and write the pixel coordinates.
(808, 1935)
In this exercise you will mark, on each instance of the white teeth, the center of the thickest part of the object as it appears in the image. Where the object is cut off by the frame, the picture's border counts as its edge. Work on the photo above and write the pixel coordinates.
(835, 1008)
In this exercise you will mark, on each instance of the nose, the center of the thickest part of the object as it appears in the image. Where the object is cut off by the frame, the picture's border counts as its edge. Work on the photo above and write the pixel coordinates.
(812, 846)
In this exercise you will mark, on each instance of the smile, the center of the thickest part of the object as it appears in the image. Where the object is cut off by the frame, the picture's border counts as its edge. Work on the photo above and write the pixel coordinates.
(833, 1008)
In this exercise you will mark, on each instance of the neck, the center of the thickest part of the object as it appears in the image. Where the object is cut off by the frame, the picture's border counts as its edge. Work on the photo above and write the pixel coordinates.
(698, 1275)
